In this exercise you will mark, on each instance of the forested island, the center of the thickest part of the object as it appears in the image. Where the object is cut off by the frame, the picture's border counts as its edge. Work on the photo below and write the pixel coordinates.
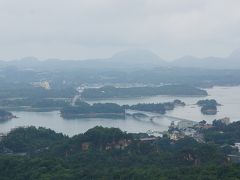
(113, 110)
(5, 115)
(34, 104)
(208, 107)
(114, 92)
(37, 99)
(39, 153)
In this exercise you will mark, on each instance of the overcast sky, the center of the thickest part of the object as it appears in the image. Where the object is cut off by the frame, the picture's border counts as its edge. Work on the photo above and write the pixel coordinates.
(79, 29)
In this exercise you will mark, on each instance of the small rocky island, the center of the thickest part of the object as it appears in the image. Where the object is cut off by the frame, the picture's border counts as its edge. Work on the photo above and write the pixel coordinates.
(208, 106)
(5, 115)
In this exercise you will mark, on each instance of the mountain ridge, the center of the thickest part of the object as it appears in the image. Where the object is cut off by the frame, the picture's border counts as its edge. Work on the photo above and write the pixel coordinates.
(133, 58)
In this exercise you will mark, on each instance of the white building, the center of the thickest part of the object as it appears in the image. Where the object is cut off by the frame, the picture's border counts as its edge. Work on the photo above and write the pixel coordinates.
(237, 145)
(186, 124)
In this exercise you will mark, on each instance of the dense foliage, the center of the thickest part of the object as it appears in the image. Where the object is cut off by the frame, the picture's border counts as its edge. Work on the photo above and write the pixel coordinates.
(113, 92)
(208, 106)
(152, 107)
(223, 134)
(68, 158)
(34, 103)
(30, 139)
(209, 109)
(28, 91)
(83, 109)
(205, 102)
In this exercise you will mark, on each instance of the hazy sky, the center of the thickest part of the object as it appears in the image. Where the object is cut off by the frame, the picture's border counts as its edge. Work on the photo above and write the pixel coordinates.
(78, 29)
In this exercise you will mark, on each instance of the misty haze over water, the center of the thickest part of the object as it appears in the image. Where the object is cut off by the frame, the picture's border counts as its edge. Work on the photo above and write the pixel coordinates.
(130, 89)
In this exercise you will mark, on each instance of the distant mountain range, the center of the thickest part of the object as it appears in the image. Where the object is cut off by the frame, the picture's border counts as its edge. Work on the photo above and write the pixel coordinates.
(230, 62)
(136, 58)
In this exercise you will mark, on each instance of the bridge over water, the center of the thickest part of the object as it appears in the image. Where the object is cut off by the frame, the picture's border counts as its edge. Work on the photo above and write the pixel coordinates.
(151, 115)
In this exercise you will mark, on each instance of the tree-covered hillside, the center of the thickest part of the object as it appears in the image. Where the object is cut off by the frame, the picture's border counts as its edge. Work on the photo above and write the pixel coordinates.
(109, 153)
(113, 92)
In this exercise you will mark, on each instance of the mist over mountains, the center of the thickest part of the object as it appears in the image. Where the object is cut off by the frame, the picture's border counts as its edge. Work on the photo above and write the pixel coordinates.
(230, 62)
(134, 58)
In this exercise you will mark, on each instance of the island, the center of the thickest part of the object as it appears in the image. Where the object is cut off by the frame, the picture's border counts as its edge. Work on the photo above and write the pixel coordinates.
(117, 92)
(208, 106)
(34, 104)
(97, 110)
(5, 115)
(178, 102)
(112, 110)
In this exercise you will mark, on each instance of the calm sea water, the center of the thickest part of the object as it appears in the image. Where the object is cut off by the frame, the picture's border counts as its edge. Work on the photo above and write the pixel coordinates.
(229, 97)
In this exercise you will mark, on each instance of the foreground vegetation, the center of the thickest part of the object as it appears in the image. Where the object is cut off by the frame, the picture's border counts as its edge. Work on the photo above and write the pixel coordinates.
(109, 153)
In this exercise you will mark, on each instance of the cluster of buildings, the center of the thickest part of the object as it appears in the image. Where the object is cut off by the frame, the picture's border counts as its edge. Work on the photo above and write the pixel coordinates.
(225, 120)
(182, 129)
(191, 128)
(235, 158)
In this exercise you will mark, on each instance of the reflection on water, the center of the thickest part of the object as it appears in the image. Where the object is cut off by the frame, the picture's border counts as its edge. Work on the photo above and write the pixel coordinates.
(227, 96)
